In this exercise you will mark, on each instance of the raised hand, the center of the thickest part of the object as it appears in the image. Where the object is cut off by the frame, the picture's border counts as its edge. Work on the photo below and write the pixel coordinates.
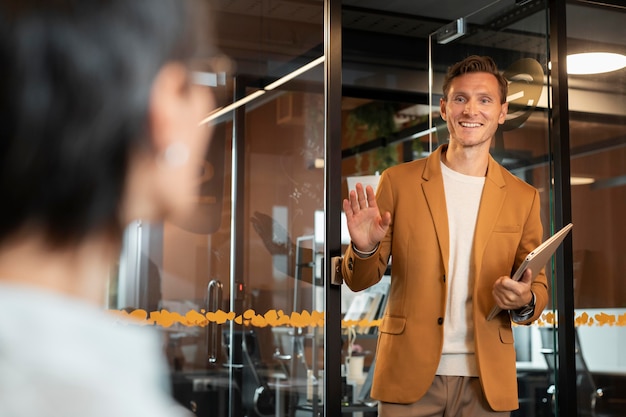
(366, 225)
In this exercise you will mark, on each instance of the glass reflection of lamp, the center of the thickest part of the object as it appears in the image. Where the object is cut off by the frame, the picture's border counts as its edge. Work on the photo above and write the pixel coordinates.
(594, 63)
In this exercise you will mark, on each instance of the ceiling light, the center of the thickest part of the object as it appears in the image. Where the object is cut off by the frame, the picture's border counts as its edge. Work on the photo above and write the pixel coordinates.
(318, 163)
(581, 180)
(294, 74)
(223, 110)
(232, 106)
(576, 180)
(595, 63)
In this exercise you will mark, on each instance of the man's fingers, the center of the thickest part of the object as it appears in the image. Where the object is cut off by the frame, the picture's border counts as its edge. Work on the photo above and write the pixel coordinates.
(357, 198)
(510, 294)
(386, 219)
(527, 276)
(347, 207)
(354, 201)
(362, 195)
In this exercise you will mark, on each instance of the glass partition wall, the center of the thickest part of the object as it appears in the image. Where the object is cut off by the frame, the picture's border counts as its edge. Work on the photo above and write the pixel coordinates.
(597, 125)
(391, 115)
(574, 156)
(239, 289)
(517, 39)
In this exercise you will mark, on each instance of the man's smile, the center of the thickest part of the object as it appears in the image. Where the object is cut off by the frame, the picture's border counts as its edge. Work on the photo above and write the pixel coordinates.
(470, 124)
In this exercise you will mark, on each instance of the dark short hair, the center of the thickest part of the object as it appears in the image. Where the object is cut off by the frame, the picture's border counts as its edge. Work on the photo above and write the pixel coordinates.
(475, 63)
(75, 82)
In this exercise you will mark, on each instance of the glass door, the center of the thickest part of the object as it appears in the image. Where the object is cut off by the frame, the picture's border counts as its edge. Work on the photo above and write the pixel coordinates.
(237, 289)
(275, 345)
(516, 37)
(597, 124)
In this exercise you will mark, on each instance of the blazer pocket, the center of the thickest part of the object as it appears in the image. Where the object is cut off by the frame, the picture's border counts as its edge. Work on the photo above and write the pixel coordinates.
(393, 325)
(506, 335)
(506, 228)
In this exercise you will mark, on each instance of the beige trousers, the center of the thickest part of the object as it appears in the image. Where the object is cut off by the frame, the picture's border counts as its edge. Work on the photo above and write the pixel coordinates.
(448, 396)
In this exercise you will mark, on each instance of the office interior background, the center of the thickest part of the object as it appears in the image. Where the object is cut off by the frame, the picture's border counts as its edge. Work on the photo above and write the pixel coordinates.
(315, 92)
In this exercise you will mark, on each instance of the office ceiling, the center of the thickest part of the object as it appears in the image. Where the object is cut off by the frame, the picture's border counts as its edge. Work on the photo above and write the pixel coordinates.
(265, 37)
(262, 31)
(269, 23)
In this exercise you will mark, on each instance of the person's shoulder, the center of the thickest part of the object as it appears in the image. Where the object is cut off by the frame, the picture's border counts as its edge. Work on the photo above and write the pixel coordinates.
(516, 182)
(403, 175)
(404, 168)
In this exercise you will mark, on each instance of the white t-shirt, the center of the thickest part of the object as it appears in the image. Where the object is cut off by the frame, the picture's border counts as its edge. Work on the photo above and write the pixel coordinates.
(60, 357)
(463, 193)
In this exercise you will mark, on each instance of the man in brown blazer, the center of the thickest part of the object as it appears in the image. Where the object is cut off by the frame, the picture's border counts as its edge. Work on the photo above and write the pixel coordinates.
(455, 224)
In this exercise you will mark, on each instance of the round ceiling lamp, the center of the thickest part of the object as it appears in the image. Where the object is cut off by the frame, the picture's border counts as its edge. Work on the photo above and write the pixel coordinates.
(594, 63)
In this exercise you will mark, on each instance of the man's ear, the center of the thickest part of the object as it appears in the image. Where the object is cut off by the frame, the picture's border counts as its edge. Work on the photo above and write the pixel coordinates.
(503, 111)
(442, 108)
(165, 104)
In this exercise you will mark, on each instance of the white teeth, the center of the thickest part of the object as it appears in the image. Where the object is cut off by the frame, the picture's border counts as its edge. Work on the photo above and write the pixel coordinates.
(465, 124)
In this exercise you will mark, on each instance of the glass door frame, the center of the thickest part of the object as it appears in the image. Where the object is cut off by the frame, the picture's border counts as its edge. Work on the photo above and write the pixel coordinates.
(332, 219)
(332, 204)
(559, 133)
(560, 205)
(566, 390)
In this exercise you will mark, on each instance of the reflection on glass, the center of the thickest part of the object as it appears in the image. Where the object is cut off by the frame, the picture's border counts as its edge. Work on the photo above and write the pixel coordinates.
(598, 153)
(249, 350)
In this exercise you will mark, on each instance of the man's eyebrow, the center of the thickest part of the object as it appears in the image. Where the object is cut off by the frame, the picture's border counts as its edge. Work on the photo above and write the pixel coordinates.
(479, 93)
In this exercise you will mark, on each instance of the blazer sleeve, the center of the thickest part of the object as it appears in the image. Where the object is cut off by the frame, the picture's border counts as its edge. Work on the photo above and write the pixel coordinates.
(360, 273)
(539, 286)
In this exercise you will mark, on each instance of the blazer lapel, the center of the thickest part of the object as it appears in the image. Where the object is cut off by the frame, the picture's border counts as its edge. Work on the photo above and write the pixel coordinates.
(436, 200)
(492, 200)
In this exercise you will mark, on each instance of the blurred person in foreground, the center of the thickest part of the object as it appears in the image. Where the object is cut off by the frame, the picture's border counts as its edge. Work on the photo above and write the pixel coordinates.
(99, 126)
(456, 225)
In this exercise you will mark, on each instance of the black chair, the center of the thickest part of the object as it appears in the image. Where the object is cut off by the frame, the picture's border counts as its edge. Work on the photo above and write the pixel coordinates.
(257, 397)
(589, 394)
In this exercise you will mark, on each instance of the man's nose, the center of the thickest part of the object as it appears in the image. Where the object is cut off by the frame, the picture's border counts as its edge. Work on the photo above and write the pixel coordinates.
(470, 107)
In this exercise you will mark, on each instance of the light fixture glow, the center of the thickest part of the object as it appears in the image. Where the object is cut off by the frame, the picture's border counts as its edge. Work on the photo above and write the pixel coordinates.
(422, 133)
(294, 74)
(223, 110)
(581, 180)
(576, 180)
(594, 63)
(318, 163)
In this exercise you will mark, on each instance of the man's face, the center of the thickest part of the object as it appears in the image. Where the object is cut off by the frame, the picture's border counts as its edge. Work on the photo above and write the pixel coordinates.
(472, 110)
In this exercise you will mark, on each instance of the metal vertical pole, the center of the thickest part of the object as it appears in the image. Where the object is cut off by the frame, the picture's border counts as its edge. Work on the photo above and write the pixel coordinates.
(566, 389)
(332, 204)
(237, 252)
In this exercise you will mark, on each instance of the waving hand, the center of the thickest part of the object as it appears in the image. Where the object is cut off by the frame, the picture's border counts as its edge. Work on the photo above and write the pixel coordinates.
(366, 225)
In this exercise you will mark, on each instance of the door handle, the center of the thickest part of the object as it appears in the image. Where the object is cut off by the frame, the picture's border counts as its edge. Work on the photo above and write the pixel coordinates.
(214, 299)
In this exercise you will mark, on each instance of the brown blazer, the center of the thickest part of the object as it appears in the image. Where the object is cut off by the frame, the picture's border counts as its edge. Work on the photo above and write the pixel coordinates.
(411, 333)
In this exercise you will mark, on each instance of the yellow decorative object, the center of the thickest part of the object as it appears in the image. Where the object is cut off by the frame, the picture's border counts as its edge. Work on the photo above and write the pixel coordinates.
(274, 318)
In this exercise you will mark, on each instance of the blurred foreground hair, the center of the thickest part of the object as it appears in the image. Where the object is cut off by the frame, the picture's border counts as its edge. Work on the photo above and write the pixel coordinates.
(75, 83)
